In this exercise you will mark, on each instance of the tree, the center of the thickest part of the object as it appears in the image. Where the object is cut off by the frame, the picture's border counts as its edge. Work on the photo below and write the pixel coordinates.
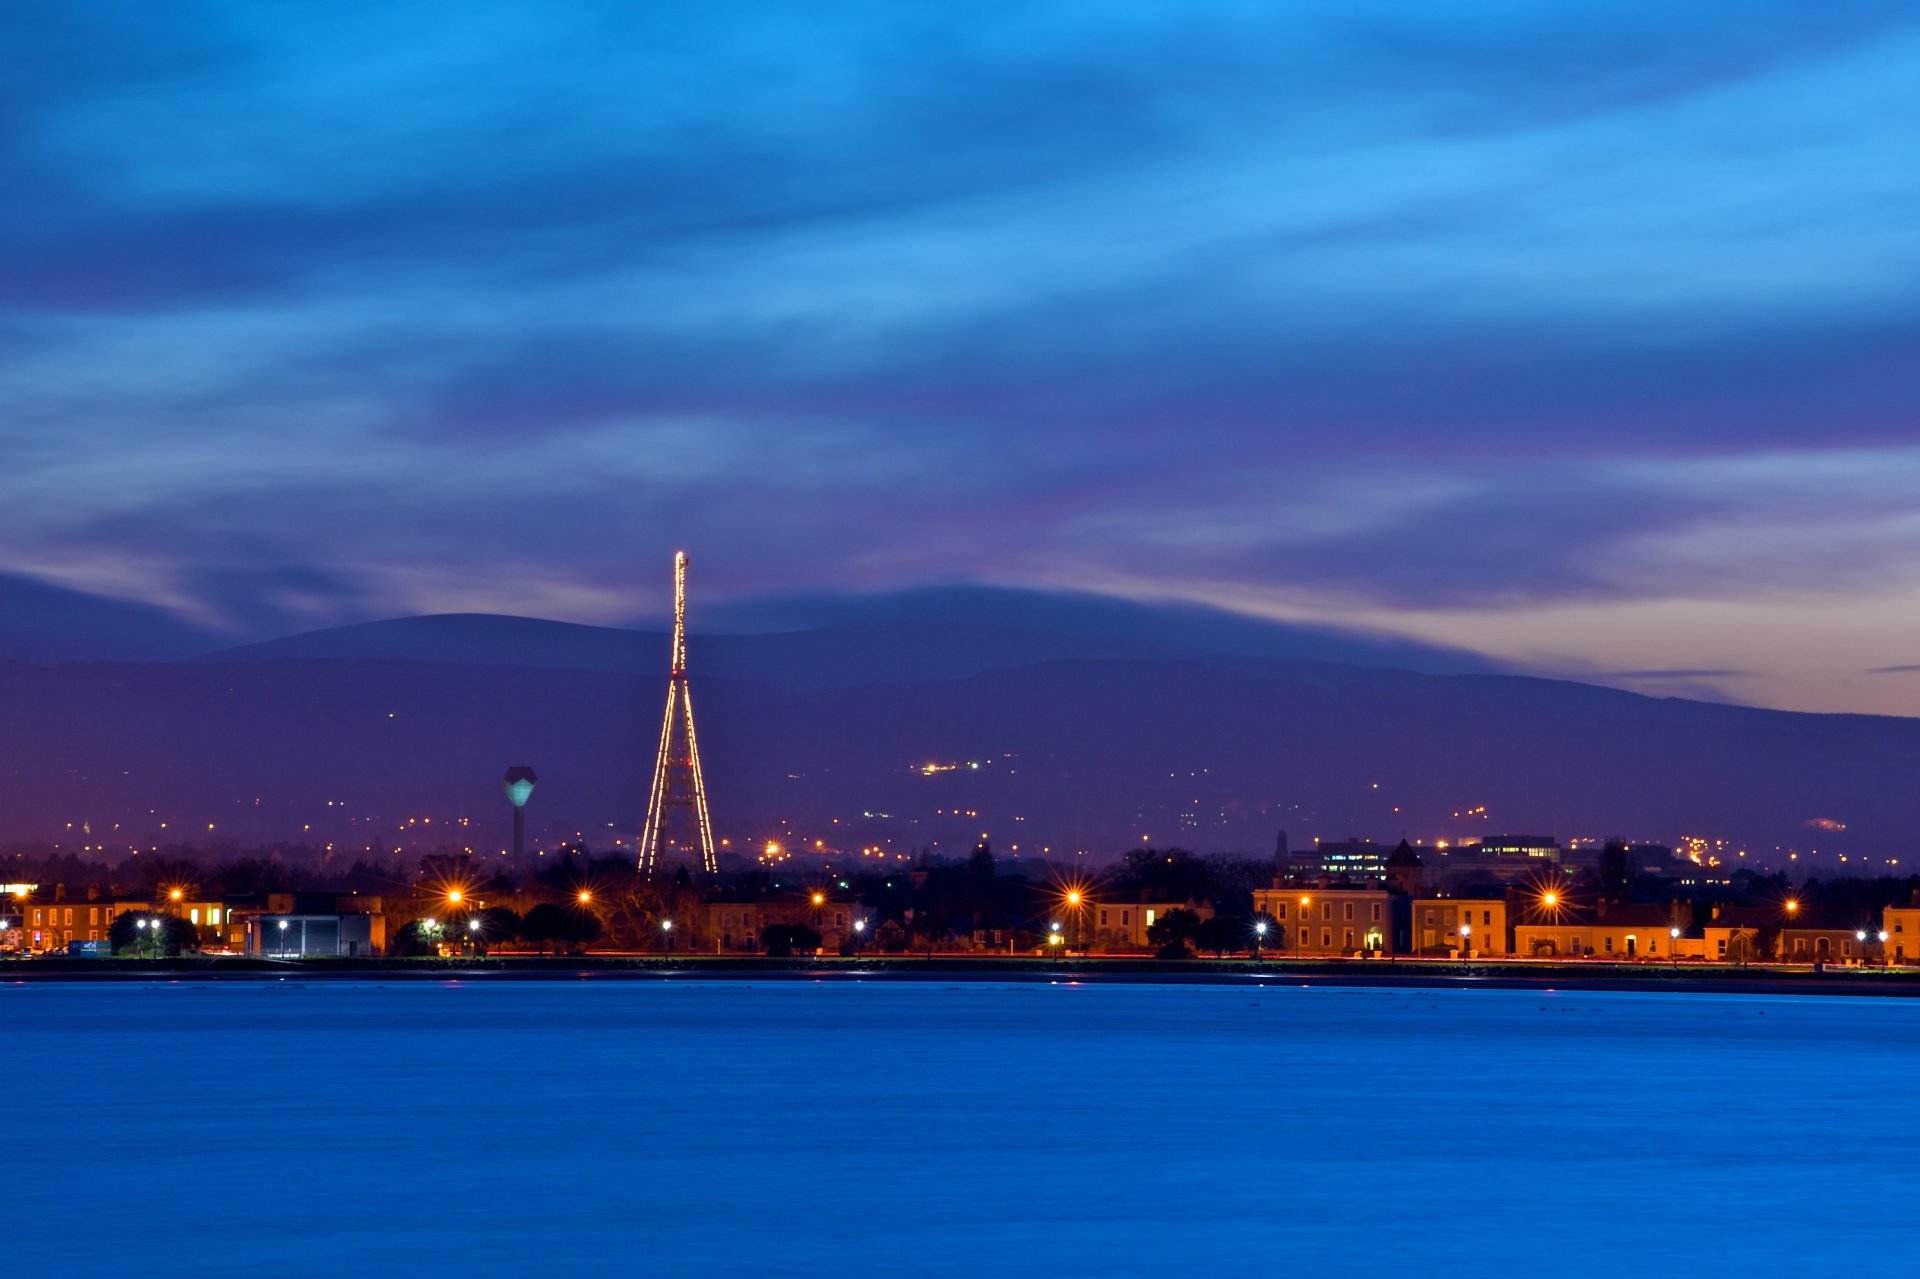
(1223, 933)
(567, 928)
(151, 936)
(498, 924)
(411, 939)
(1175, 928)
(782, 940)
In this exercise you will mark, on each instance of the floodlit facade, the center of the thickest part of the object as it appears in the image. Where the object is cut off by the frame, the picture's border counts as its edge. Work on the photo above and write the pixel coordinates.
(1330, 920)
(1437, 924)
(1902, 926)
(1124, 925)
(1617, 930)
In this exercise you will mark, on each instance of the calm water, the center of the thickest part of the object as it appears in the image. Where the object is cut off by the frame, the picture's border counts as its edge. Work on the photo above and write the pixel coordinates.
(791, 1128)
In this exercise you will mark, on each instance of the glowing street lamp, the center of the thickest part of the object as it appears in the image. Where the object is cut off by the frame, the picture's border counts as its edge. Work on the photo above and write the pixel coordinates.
(1259, 936)
(666, 936)
(1466, 932)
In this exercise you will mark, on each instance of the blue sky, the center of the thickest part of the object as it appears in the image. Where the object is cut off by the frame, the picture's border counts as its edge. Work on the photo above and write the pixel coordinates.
(1583, 335)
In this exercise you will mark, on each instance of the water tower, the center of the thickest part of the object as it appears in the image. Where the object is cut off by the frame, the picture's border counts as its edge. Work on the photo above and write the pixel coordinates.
(518, 784)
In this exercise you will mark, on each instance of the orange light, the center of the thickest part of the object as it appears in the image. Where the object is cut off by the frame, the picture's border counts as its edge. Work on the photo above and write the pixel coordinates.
(1549, 899)
(819, 899)
(1306, 901)
(1073, 897)
(454, 895)
(1792, 905)
(176, 894)
(585, 896)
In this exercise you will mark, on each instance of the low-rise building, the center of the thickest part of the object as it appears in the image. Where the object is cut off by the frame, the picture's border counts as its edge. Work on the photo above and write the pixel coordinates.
(735, 927)
(1821, 936)
(1476, 925)
(1121, 925)
(1333, 919)
(1902, 926)
(310, 925)
(1611, 930)
(51, 925)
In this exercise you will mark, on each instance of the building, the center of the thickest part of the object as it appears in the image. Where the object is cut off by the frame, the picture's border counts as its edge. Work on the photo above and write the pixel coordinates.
(1613, 930)
(1124, 925)
(1333, 919)
(1902, 927)
(331, 936)
(735, 927)
(51, 925)
(311, 925)
(1740, 934)
(1818, 936)
(1354, 859)
(1438, 921)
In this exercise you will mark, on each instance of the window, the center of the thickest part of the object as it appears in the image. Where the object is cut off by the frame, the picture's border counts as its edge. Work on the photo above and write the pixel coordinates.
(1282, 916)
(1126, 917)
(1103, 917)
(1429, 919)
(1609, 941)
(1348, 914)
(1376, 912)
(1326, 938)
(1486, 918)
(1326, 910)
(1303, 937)
(69, 918)
(1349, 939)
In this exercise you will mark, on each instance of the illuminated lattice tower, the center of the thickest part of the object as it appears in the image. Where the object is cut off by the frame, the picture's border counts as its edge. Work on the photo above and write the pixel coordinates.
(677, 823)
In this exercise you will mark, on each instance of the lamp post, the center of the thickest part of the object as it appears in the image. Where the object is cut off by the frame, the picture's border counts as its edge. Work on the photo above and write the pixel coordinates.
(473, 939)
(666, 937)
(1259, 936)
(1466, 942)
(283, 939)
(1673, 946)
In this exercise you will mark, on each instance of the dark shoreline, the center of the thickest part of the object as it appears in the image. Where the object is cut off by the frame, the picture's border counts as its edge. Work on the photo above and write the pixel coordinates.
(1118, 970)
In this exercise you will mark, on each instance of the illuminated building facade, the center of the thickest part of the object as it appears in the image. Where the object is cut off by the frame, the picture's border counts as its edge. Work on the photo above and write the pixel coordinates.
(677, 823)
(1332, 920)
(1124, 925)
(1438, 923)
(1902, 926)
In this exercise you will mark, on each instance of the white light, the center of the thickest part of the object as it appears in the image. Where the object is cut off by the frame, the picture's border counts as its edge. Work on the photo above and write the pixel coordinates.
(666, 925)
(283, 925)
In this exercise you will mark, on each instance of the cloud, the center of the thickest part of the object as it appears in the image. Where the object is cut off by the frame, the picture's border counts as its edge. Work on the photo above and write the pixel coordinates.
(406, 307)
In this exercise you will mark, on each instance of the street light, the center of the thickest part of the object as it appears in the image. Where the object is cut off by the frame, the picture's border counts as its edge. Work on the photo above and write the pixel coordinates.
(1466, 932)
(666, 936)
(1259, 936)
(1673, 946)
